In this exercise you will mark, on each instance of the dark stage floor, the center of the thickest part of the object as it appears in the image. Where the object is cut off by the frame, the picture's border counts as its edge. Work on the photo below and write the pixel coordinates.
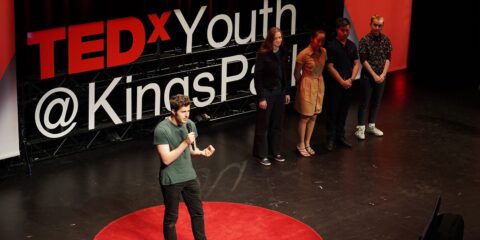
(383, 188)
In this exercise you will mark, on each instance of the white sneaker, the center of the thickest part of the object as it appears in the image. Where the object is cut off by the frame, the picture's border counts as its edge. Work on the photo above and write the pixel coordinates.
(360, 133)
(373, 130)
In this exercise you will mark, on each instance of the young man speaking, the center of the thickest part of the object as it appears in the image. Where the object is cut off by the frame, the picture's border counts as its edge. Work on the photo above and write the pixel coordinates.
(174, 139)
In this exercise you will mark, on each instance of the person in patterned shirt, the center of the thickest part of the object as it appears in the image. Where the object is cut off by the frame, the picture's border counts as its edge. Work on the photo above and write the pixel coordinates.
(375, 51)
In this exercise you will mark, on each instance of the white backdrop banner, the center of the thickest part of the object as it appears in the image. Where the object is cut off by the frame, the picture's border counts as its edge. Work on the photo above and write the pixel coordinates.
(9, 140)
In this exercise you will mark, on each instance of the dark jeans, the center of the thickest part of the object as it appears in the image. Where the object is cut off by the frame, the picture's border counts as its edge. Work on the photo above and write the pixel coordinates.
(190, 191)
(337, 103)
(269, 124)
(371, 97)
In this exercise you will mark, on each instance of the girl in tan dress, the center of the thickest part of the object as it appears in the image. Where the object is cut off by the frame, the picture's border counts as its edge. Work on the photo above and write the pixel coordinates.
(310, 89)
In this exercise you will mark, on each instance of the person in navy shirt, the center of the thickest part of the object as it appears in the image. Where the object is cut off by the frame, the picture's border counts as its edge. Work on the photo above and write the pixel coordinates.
(342, 68)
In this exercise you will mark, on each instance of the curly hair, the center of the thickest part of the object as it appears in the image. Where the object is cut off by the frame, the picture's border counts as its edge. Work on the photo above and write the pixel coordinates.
(178, 101)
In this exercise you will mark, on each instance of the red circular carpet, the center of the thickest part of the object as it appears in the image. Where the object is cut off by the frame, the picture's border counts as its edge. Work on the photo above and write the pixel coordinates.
(223, 221)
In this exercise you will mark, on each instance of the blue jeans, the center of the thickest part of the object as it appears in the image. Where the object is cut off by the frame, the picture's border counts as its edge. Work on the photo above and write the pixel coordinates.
(190, 191)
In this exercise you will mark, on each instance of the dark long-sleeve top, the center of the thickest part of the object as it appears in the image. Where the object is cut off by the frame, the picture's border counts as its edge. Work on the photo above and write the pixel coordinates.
(271, 72)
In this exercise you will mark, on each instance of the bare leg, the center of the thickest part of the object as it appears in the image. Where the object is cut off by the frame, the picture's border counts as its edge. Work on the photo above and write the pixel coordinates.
(302, 126)
(310, 127)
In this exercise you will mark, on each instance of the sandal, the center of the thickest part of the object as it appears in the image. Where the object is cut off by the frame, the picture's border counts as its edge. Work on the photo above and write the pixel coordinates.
(303, 152)
(310, 150)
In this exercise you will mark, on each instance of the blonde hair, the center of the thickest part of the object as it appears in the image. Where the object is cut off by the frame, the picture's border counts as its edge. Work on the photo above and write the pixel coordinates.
(375, 17)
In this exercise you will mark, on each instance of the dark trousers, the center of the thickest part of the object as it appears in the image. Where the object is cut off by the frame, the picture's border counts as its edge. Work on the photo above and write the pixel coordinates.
(337, 103)
(269, 124)
(371, 97)
(190, 191)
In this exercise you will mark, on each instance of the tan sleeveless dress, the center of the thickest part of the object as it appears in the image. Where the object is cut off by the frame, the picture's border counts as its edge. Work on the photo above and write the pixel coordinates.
(310, 88)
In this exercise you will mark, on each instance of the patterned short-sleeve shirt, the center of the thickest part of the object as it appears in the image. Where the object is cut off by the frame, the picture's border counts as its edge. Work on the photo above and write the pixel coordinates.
(376, 50)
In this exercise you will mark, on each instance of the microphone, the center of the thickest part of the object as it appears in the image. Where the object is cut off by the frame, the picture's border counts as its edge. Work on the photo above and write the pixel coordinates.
(189, 129)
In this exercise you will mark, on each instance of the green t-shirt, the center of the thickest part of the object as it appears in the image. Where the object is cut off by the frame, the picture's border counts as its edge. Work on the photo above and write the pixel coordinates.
(180, 170)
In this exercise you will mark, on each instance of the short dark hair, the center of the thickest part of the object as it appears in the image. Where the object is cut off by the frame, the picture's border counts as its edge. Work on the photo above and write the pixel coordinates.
(342, 22)
(178, 101)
